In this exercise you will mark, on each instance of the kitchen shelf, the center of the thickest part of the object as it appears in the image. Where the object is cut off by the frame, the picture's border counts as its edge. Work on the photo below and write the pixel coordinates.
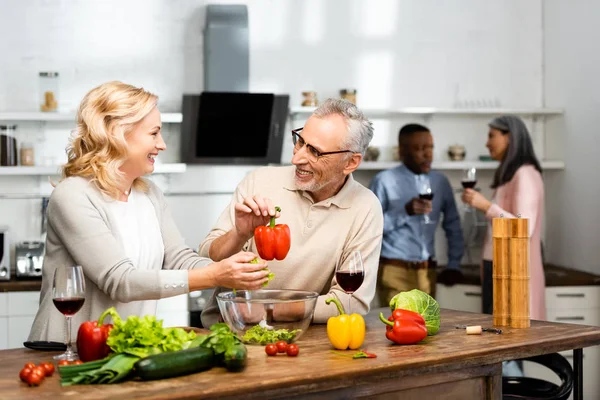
(174, 118)
(54, 171)
(456, 165)
(386, 113)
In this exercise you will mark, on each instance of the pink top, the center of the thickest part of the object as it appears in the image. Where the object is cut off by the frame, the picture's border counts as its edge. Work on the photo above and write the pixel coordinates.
(524, 195)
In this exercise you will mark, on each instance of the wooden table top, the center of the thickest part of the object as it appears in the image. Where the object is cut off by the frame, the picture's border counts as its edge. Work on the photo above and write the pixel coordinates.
(317, 368)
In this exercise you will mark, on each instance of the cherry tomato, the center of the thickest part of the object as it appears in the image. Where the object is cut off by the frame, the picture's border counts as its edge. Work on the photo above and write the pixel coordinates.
(64, 362)
(24, 374)
(39, 370)
(271, 349)
(77, 362)
(281, 346)
(48, 367)
(29, 365)
(293, 350)
(34, 379)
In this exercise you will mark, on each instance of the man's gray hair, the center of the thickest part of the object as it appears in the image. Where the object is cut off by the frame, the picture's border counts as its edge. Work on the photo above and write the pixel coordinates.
(360, 129)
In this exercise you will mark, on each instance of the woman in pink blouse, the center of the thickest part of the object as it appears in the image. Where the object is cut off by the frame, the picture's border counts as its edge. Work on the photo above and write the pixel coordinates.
(518, 189)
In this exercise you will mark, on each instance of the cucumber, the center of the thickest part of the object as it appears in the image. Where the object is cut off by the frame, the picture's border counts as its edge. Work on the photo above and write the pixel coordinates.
(175, 363)
(236, 357)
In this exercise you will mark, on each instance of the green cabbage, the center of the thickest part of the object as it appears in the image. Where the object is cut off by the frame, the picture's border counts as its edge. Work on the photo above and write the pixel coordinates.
(422, 303)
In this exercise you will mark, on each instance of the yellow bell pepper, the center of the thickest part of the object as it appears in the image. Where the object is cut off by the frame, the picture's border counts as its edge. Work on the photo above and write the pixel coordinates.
(345, 331)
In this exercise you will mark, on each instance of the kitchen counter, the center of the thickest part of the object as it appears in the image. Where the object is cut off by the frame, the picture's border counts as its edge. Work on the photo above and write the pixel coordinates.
(555, 276)
(14, 285)
(462, 366)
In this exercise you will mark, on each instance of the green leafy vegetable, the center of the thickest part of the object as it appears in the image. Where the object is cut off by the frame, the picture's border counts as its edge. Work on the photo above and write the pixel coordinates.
(228, 348)
(259, 335)
(144, 336)
(111, 369)
(220, 339)
(422, 303)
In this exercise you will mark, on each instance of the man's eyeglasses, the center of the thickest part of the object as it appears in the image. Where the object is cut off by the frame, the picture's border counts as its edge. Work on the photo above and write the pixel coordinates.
(311, 151)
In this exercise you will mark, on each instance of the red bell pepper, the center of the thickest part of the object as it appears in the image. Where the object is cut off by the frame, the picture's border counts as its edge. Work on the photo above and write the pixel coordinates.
(91, 339)
(404, 327)
(272, 241)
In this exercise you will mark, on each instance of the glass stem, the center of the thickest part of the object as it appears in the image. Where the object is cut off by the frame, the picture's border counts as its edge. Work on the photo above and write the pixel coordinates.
(349, 300)
(69, 350)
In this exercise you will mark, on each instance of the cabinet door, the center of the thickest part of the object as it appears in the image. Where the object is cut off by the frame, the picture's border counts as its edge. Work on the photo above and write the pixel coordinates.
(23, 303)
(3, 304)
(459, 297)
(18, 330)
(578, 316)
(3, 333)
(569, 297)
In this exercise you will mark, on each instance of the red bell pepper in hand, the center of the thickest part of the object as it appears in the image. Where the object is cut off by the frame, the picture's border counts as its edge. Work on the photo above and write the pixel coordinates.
(272, 241)
(404, 327)
(91, 339)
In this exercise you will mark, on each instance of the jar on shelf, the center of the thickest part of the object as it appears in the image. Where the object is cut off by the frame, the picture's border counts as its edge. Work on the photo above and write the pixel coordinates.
(8, 145)
(48, 91)
(26, 154)
(349, 95)
(310, 99)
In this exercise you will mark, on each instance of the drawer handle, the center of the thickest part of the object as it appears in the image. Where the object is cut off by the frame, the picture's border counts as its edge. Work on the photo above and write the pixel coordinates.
(570, 318)
(570, 295)
(472, 294)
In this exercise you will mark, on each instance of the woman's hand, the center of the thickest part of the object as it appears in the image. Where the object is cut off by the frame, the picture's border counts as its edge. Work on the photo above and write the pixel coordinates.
(476, 200)
(253, 212)
(237, 272)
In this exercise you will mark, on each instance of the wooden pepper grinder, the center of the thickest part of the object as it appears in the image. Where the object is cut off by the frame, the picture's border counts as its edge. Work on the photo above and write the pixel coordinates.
(500, 271)
(519, 272)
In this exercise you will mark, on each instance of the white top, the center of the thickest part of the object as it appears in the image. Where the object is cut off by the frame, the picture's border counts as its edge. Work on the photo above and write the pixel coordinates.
(136, 219)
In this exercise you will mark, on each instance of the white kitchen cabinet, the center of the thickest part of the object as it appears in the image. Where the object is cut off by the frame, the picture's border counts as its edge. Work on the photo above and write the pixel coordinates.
(459, 297)
(19, 328)
(3, 333)
(22, 307)
(173, 311)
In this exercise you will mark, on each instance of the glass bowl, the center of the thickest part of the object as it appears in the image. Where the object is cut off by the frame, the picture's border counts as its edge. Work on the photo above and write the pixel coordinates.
(270, 315)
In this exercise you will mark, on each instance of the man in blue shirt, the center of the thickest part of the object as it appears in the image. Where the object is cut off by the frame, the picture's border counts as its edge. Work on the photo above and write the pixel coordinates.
(408, 248)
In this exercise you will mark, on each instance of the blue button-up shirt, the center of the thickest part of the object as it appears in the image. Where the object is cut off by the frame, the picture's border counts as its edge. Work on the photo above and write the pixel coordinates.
(406, 237)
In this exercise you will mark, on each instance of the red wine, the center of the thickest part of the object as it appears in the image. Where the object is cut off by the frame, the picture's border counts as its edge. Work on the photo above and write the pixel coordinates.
(469, 184)
(426, 196)
(69, 305)
(350, 282)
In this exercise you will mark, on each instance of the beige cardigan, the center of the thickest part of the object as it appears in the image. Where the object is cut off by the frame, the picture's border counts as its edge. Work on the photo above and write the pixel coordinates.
(80, 231)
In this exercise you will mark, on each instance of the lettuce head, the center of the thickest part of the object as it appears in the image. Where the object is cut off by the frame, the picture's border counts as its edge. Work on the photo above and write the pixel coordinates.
(422, 303)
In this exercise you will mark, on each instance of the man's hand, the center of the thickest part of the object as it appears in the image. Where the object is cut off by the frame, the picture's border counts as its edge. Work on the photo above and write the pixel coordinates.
(417, 206)
(450, 277)
(252, 212)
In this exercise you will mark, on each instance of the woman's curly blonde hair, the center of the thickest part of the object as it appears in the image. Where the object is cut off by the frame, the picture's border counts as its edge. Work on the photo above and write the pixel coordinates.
(97, 147)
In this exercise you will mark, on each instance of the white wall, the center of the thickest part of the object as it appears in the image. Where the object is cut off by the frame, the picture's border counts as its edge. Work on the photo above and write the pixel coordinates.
(395, 53)
(571, 81)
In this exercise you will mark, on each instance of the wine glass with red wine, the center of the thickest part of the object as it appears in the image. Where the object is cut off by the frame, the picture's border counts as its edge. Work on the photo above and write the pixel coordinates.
(68, 295)
(350, 275)
(425, 193)
(469, 180)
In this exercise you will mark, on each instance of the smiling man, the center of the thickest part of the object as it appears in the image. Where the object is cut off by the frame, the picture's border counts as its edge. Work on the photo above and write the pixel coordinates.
(408, 242)
(329, 214)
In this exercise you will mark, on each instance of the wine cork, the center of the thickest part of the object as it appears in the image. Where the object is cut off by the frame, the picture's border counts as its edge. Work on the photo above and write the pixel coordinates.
(474, 330)
(519, 273)
(500, 271)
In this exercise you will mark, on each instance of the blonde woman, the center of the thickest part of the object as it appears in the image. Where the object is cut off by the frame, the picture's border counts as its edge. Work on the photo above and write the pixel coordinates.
(105, 217)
